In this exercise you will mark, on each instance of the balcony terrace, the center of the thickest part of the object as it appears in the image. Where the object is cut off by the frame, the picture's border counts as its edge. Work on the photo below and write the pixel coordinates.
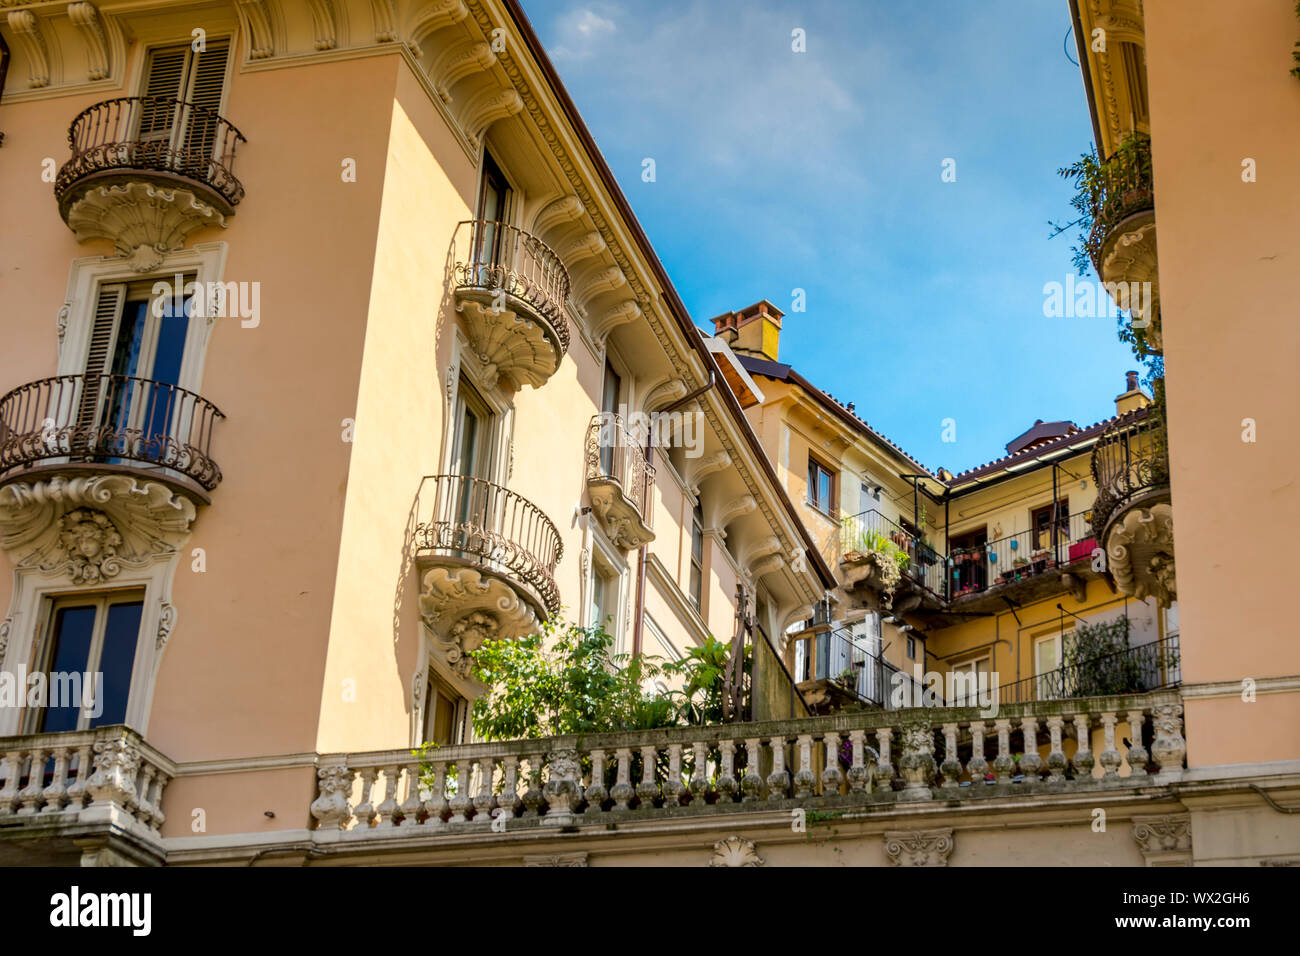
(145, 172)
(619, 481)
(512, 294)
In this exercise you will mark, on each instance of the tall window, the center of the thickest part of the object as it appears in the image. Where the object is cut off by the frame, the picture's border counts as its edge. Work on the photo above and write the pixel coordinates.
(609, 393)
(697, 556)
(87, 655)
(821, 487)
(1041, 520)
(179, 124)
(493, 211)
(444, 714)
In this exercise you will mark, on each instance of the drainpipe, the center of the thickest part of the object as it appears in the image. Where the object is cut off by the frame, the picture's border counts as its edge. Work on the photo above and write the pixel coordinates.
(639, 629)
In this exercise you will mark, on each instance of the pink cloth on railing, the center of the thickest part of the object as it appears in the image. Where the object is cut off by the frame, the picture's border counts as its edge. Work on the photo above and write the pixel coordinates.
(1082, 549)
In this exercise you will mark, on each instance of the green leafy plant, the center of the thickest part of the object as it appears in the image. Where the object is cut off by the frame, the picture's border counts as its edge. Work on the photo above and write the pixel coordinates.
(1098, 663)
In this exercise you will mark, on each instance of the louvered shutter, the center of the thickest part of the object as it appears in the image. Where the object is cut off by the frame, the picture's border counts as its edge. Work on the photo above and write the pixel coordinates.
(208, 75)
(164, 87)
(108, 310)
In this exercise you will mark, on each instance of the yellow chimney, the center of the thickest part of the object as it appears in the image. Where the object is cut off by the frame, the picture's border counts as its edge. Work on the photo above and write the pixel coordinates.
(755, 330)
(1133, 397)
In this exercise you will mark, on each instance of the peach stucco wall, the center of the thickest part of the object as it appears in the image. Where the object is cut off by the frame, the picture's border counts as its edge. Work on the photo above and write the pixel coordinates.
(1229, 284)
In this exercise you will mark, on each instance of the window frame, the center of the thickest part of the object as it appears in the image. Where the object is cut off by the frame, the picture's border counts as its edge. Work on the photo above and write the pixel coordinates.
(696, 563)
(817, 468)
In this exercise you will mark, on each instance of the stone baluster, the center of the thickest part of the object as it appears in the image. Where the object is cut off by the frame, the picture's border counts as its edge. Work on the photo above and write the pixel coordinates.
(951, 766)
(485, 800)
(77, 791)
(978, 767)
(113, 783)
(832, 775)
(31, 796)
(413, 803)
(56, 794)
(622, 791)
(859, 776)
(699, 773)
(1137, 754)
(1031, 764)
(461, 800)
(1168, 748)
(387, 811)
(778, 781)
(508, 800)
(596, 792)
(647, 791)
(13, 765)
(804, 779)
(563, 787)
(365, 810)
(1002, 763)
(751, 784)
(532, 798)
(1056, 762)
(1082, 761)
(330, 808)
(885, 769)
(674, 789)
(437, 804)
(157, 817)
(1110, 759)
(726, 785)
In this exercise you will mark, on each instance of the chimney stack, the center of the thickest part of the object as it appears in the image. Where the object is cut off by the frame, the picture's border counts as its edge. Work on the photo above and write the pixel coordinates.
(1133, 397)
(755, 330)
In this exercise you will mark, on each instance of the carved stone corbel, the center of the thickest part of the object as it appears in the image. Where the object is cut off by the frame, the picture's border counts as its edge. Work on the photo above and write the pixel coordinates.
(27, 28)
(261, 41)
(143, 221)
(663, 394)
(919, 847)
(85, 18)
(1165, 840)
(596, 280)
(730, 511)
(385, 20)
(558, 212)
(457, 62)
(322, 19)
(586, 246)
(485, 109)
(432, 17)
(605, 321)
(697, 469)
(735, 852)
(463, 608)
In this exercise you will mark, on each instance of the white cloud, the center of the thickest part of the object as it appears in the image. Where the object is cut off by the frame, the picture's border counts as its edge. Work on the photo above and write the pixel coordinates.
(580, 32)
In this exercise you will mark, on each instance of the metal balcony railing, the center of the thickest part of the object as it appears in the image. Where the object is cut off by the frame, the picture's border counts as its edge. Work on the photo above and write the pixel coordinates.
(871, 531)
(847, 659)
(1020, 556)
(614, 452)
(481, 522)
(1129, 461)
(108, 419)
(1133, 670)
(499, 257)
(1122, 187)
(156, 133)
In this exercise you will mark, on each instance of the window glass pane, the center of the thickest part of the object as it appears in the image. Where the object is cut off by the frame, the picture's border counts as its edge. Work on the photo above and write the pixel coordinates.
(824, 490)
(72, 632)
(117, 661)
(697, 585)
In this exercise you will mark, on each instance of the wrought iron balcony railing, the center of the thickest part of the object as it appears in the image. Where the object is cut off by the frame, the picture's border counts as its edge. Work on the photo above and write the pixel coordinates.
(1129, 461)
(1020, 556)
(501, 258)
(1133, 670)
(848, 660)
(1121, 188)
(160, 134)
(870, 531)
(616, 453)
(477, 521)
(110, 419)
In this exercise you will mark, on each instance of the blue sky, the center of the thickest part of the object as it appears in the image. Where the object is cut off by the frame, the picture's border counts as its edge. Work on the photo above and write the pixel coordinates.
(821, 171)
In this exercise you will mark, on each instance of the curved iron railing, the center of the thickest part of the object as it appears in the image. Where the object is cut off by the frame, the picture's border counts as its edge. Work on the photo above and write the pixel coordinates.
(1122, 188)
(159, 133)
(108, 419)
(615, 453)
(504, 258)
(1129, 460)
(479, 520)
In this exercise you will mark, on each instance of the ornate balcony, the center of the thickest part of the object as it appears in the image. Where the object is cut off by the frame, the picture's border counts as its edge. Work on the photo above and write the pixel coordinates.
(1122, 241)
(511, 292)
(145, 172)
(487, 559)
(93, 796)
(619, 480)
(1133, 515)
(106, 423)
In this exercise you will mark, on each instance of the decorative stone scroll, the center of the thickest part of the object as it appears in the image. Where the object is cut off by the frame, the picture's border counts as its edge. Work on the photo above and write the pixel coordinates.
(1165, 840)
(919, 847)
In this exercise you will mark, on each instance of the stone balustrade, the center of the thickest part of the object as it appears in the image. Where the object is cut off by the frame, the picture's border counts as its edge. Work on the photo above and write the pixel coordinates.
(870, 757)
(108, 775)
